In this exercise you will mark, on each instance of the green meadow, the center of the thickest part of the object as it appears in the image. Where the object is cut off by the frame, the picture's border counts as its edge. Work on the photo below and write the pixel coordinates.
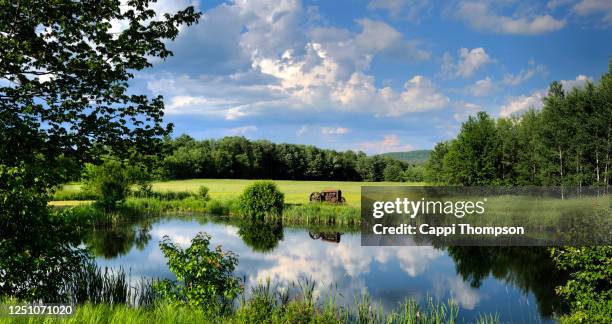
(296, 192)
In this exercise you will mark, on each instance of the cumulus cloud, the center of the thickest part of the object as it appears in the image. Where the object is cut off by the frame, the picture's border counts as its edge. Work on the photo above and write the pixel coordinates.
(534, 100)
(390, 143)
(465, 109)
(480, 17)
(408, 9)
(419, 95)
(291, 67)
(579, 82)
(470, 60)
(601, 8)
(522, 103)
(482, 87)
(524, 75)
(334, 130)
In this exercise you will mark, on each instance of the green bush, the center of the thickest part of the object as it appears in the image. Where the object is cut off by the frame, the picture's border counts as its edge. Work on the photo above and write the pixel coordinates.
(205, 277)
(589, 289)
(203, 193)
(109, 181)
(260, 199)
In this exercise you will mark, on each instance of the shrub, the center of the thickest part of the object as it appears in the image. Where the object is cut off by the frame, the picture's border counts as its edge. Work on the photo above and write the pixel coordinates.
(589, 290)
(260, 199)
(203, 193)
(205, 277)
(110, 182)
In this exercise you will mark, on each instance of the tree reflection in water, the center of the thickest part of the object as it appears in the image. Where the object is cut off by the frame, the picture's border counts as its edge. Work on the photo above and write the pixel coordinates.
(528, 268)
(261, 234)
(118, 239)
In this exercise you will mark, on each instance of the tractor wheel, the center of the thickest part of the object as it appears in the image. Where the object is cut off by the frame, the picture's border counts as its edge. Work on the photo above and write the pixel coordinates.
(315, 196)
(343, 200)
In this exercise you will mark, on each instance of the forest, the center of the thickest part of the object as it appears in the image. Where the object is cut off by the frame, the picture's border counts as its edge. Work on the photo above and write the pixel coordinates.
(239, 158)
(566, 143)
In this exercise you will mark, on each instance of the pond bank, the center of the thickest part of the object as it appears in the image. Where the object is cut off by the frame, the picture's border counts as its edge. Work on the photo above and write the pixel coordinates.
(305, 214)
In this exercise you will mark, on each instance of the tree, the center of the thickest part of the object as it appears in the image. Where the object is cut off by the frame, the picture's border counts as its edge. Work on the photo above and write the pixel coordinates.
(434, 168)
(64, 79)
(393, 172)
(473, 157)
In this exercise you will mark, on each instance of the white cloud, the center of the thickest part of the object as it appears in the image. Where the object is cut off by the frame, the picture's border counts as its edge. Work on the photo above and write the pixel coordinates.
(409, 9)
(470, 60)
(465, 109)
(534, 100)
(579, 82)
(521, 103)
(524, 75)
(482, 87)
(390, 143)
(480, 17)
(303, 130)
(334, 130)
(290, 67)
(243, 130)
(601, 8)
(419, 94)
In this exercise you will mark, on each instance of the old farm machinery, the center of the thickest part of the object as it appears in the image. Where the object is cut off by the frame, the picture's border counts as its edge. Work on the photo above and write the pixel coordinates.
(332, 196)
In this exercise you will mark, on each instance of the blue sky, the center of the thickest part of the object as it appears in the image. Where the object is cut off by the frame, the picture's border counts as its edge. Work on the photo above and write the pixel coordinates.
(377, 75)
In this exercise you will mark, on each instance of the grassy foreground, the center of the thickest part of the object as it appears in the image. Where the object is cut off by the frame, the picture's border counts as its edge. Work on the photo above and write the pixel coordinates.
(264, 309)
(296, 192)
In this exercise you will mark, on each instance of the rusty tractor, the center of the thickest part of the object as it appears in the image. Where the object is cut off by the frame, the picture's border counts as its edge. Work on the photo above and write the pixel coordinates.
(330, 196)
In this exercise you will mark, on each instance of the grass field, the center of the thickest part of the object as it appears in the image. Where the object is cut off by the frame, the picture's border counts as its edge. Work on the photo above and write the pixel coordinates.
(296, 192)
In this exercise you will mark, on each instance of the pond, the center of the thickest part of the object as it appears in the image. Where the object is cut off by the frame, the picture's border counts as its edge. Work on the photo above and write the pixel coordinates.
(516, 283)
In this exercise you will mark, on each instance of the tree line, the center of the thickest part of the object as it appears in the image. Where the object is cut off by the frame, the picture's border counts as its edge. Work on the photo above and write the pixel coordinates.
(567, 142)
(240, 158)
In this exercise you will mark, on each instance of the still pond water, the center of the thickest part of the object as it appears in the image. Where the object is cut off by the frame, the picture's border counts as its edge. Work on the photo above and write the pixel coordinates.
(516, 283)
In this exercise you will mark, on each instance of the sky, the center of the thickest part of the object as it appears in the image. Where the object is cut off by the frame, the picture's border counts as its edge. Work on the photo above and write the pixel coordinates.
(375, 75)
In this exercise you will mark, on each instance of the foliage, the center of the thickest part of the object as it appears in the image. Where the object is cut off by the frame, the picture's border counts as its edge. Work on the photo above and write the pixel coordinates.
(260, 308)
(589, 289)
(393, 172)
(296, 192)
(64, 99)
(412, 157)
(238, 157)
(203, 193)
(92, 284)
(205, 277)
(415, 173)
(260, 199)
(37, 251)
(568, 142)
(67, 73)
(261, 235)
(110, 182)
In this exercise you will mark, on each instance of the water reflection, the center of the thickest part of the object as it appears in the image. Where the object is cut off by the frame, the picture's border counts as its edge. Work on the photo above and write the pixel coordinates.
(118, 239)
(332, 237)
(262, 235)
(516, 283)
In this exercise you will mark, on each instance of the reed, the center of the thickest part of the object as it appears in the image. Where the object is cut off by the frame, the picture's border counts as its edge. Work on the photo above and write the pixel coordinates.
(266, 303)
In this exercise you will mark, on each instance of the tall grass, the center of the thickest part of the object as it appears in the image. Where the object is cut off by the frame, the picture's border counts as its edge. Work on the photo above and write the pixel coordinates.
(321, 213)
(265, 303)
(92, 284)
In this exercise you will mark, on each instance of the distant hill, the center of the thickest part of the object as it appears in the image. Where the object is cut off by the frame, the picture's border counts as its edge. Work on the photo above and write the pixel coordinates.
(418, 156)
